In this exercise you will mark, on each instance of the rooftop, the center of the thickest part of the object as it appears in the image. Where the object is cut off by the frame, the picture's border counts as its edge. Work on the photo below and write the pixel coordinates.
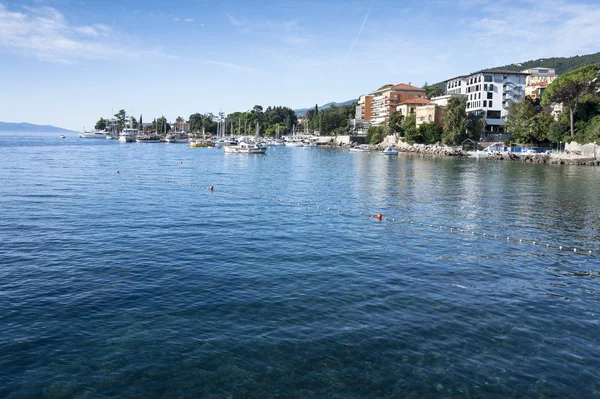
(401, 86)
(418, 101)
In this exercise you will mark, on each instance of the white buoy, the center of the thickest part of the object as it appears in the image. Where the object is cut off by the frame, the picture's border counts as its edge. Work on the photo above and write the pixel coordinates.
(574, 249)
(560, 248)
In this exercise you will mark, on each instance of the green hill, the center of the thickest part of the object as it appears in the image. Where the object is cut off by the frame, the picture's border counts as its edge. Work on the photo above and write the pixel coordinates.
(560, 64)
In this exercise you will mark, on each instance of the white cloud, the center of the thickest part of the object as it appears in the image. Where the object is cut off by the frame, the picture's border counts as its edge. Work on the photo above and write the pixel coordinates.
(44, 33)
(189, 20)
(175, 19)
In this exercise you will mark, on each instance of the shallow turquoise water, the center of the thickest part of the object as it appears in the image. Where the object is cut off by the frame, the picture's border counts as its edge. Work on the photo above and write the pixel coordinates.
(121, 286)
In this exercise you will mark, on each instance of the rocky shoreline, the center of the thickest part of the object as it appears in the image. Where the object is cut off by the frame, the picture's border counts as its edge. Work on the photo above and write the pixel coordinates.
(446, 151)
(427, 149)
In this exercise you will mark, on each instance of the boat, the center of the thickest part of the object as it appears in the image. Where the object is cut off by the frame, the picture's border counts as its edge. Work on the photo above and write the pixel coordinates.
(148, 138)
(361, 148)
(389, 151)
(295, 140)
(223, 142)
(95, 134)
(245, 147)
(128, 135)
(109, 137)
(171, 138)
(62, 136)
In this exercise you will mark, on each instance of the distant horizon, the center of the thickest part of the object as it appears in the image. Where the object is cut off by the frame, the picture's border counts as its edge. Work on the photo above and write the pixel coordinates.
(68, 63)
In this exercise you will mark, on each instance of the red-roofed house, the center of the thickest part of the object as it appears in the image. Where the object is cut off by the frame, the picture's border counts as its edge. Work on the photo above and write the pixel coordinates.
(379, 104)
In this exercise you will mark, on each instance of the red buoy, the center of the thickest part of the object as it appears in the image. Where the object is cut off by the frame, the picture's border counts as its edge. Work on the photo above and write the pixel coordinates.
(380, 216)
(212, 188)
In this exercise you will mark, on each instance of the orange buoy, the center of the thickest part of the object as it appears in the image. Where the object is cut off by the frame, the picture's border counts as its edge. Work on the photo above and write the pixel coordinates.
(379, 216)
(212, 188)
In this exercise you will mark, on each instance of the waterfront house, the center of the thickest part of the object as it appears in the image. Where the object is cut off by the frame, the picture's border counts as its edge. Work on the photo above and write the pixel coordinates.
(180, 127)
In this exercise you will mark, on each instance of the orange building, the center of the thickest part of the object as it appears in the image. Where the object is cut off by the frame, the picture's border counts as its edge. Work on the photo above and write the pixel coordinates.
(378, 105)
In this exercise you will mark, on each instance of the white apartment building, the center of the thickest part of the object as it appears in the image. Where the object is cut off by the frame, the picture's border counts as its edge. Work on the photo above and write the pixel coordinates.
(489, 93)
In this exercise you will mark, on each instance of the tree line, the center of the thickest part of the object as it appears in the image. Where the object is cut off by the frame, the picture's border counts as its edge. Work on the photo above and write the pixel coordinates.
(331, 121)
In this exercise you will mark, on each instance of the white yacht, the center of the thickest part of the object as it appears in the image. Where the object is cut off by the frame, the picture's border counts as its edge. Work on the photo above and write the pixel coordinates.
(128, 135)
(361, 148)
(95, 134)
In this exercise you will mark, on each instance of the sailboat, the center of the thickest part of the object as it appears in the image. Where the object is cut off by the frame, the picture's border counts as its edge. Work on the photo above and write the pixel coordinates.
(294, 142)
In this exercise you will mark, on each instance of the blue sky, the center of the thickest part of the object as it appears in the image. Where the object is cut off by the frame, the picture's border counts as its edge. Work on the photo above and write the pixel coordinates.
(67, 63)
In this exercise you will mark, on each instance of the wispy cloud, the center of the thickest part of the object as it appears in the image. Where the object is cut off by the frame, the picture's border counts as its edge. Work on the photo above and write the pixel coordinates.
(189, 20)
(263, 25)
(234, 21)
(530, 29)
(45, 33)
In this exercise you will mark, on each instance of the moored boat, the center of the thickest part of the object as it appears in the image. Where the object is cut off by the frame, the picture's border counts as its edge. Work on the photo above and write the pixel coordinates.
(93, 135)
(389, 151)
(128, 135)
(245, 148)
(148, 138)
(361, 148)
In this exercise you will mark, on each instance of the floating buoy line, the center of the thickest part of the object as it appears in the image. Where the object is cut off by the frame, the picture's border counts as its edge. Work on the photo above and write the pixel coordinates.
(376, 216)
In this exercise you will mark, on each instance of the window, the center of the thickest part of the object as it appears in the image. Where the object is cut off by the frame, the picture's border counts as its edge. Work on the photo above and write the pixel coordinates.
(484, 103)
(479, 96)
(487, 78)
(491, 88)
(490, 104)
(490, 95)
(485, 87)
(493, 114)
(429, 118)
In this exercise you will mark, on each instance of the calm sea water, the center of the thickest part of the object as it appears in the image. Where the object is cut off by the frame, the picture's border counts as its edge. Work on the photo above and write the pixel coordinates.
(117, 286)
